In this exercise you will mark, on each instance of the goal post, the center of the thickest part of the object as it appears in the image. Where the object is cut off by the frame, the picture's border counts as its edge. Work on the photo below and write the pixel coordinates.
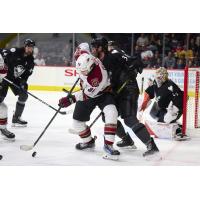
(191, 101)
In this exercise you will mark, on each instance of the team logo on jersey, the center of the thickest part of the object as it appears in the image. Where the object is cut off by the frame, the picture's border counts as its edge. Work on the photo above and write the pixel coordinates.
(18, 71)
(95, 82)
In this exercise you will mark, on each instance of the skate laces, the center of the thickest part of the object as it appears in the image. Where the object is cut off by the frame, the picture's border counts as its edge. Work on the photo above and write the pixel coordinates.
(109, 147)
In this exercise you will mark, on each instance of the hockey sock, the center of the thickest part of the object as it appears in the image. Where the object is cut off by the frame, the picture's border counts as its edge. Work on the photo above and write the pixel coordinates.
(109, 133)
(141, 132)
(19, 108)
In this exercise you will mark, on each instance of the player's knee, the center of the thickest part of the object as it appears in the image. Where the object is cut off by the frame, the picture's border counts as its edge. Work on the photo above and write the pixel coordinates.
(111, 114)
(79, 126)
(3, 110)
(23, 97)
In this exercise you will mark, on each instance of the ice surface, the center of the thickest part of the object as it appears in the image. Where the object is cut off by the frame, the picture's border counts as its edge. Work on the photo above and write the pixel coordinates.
(56, 147)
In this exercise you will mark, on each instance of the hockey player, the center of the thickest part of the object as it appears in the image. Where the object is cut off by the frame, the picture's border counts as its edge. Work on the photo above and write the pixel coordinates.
(3, 107)
(95, 91)
(121, 68)
(168, 105)
(20, 63)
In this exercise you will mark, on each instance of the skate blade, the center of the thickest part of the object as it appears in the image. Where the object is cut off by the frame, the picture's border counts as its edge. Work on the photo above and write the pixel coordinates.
(154, 157)
(18, 125)
(8, 139)
(182, 139)
(133, 147)
(91, 149)
(111, 157)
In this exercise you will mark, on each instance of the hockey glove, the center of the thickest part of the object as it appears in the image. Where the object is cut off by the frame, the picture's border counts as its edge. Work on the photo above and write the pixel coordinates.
(66, 101)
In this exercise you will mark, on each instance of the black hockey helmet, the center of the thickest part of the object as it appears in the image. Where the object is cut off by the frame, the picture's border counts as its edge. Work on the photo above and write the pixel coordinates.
(97, 42)
(29, 43)
(112, 43)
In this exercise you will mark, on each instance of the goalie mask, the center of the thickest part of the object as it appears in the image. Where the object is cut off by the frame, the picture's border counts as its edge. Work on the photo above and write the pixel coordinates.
(161, 76)
(85, 64)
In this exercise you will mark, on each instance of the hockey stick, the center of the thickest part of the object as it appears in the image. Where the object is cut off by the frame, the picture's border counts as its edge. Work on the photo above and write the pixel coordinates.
(142, 86)
(30, 147)
(99, 115)
(18, 87)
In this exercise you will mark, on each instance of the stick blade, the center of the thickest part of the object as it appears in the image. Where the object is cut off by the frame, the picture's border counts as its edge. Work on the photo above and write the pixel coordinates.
(26, 147)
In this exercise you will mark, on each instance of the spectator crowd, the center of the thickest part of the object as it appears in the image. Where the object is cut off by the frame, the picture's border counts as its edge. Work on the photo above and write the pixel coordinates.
(171, 50)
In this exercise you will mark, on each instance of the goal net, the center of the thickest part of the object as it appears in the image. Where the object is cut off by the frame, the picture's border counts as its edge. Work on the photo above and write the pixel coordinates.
(191, 111)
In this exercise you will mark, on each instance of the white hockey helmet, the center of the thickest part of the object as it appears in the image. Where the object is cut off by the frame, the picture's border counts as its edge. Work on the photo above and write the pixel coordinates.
(85, 63)
(82, 48)
(161, 76)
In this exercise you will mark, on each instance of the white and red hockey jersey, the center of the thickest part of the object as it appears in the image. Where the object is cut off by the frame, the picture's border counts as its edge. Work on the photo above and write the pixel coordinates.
(95, 83)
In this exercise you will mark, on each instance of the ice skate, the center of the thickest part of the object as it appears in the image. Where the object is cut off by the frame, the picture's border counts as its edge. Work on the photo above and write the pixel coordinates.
(18, 122)
(7, 135)
(87, 145)
(110, 152)
(126, 142)
(181, 137)
(152, 152)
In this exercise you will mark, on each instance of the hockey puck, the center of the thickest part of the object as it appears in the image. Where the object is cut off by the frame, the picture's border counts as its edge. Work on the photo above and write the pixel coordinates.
(1, 157)
(34, 154)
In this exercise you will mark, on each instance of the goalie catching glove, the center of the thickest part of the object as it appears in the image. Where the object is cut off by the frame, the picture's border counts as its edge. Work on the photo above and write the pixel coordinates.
(66, 101)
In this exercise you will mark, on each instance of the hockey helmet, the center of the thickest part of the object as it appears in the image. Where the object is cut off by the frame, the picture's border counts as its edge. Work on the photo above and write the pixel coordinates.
(161, 76)
(82, 48)
(85, 63)
(97, 42)
(29, 43)
(112, 43)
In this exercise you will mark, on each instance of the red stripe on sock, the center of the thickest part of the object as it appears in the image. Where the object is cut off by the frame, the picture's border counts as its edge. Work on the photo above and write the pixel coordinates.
(85, 133)
(108, 142)
(110, 130)
(3, 121)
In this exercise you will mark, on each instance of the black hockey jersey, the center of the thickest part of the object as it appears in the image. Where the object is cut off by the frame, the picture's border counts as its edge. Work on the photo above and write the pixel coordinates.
(20, 66)
(169, 91)
(120, 66)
